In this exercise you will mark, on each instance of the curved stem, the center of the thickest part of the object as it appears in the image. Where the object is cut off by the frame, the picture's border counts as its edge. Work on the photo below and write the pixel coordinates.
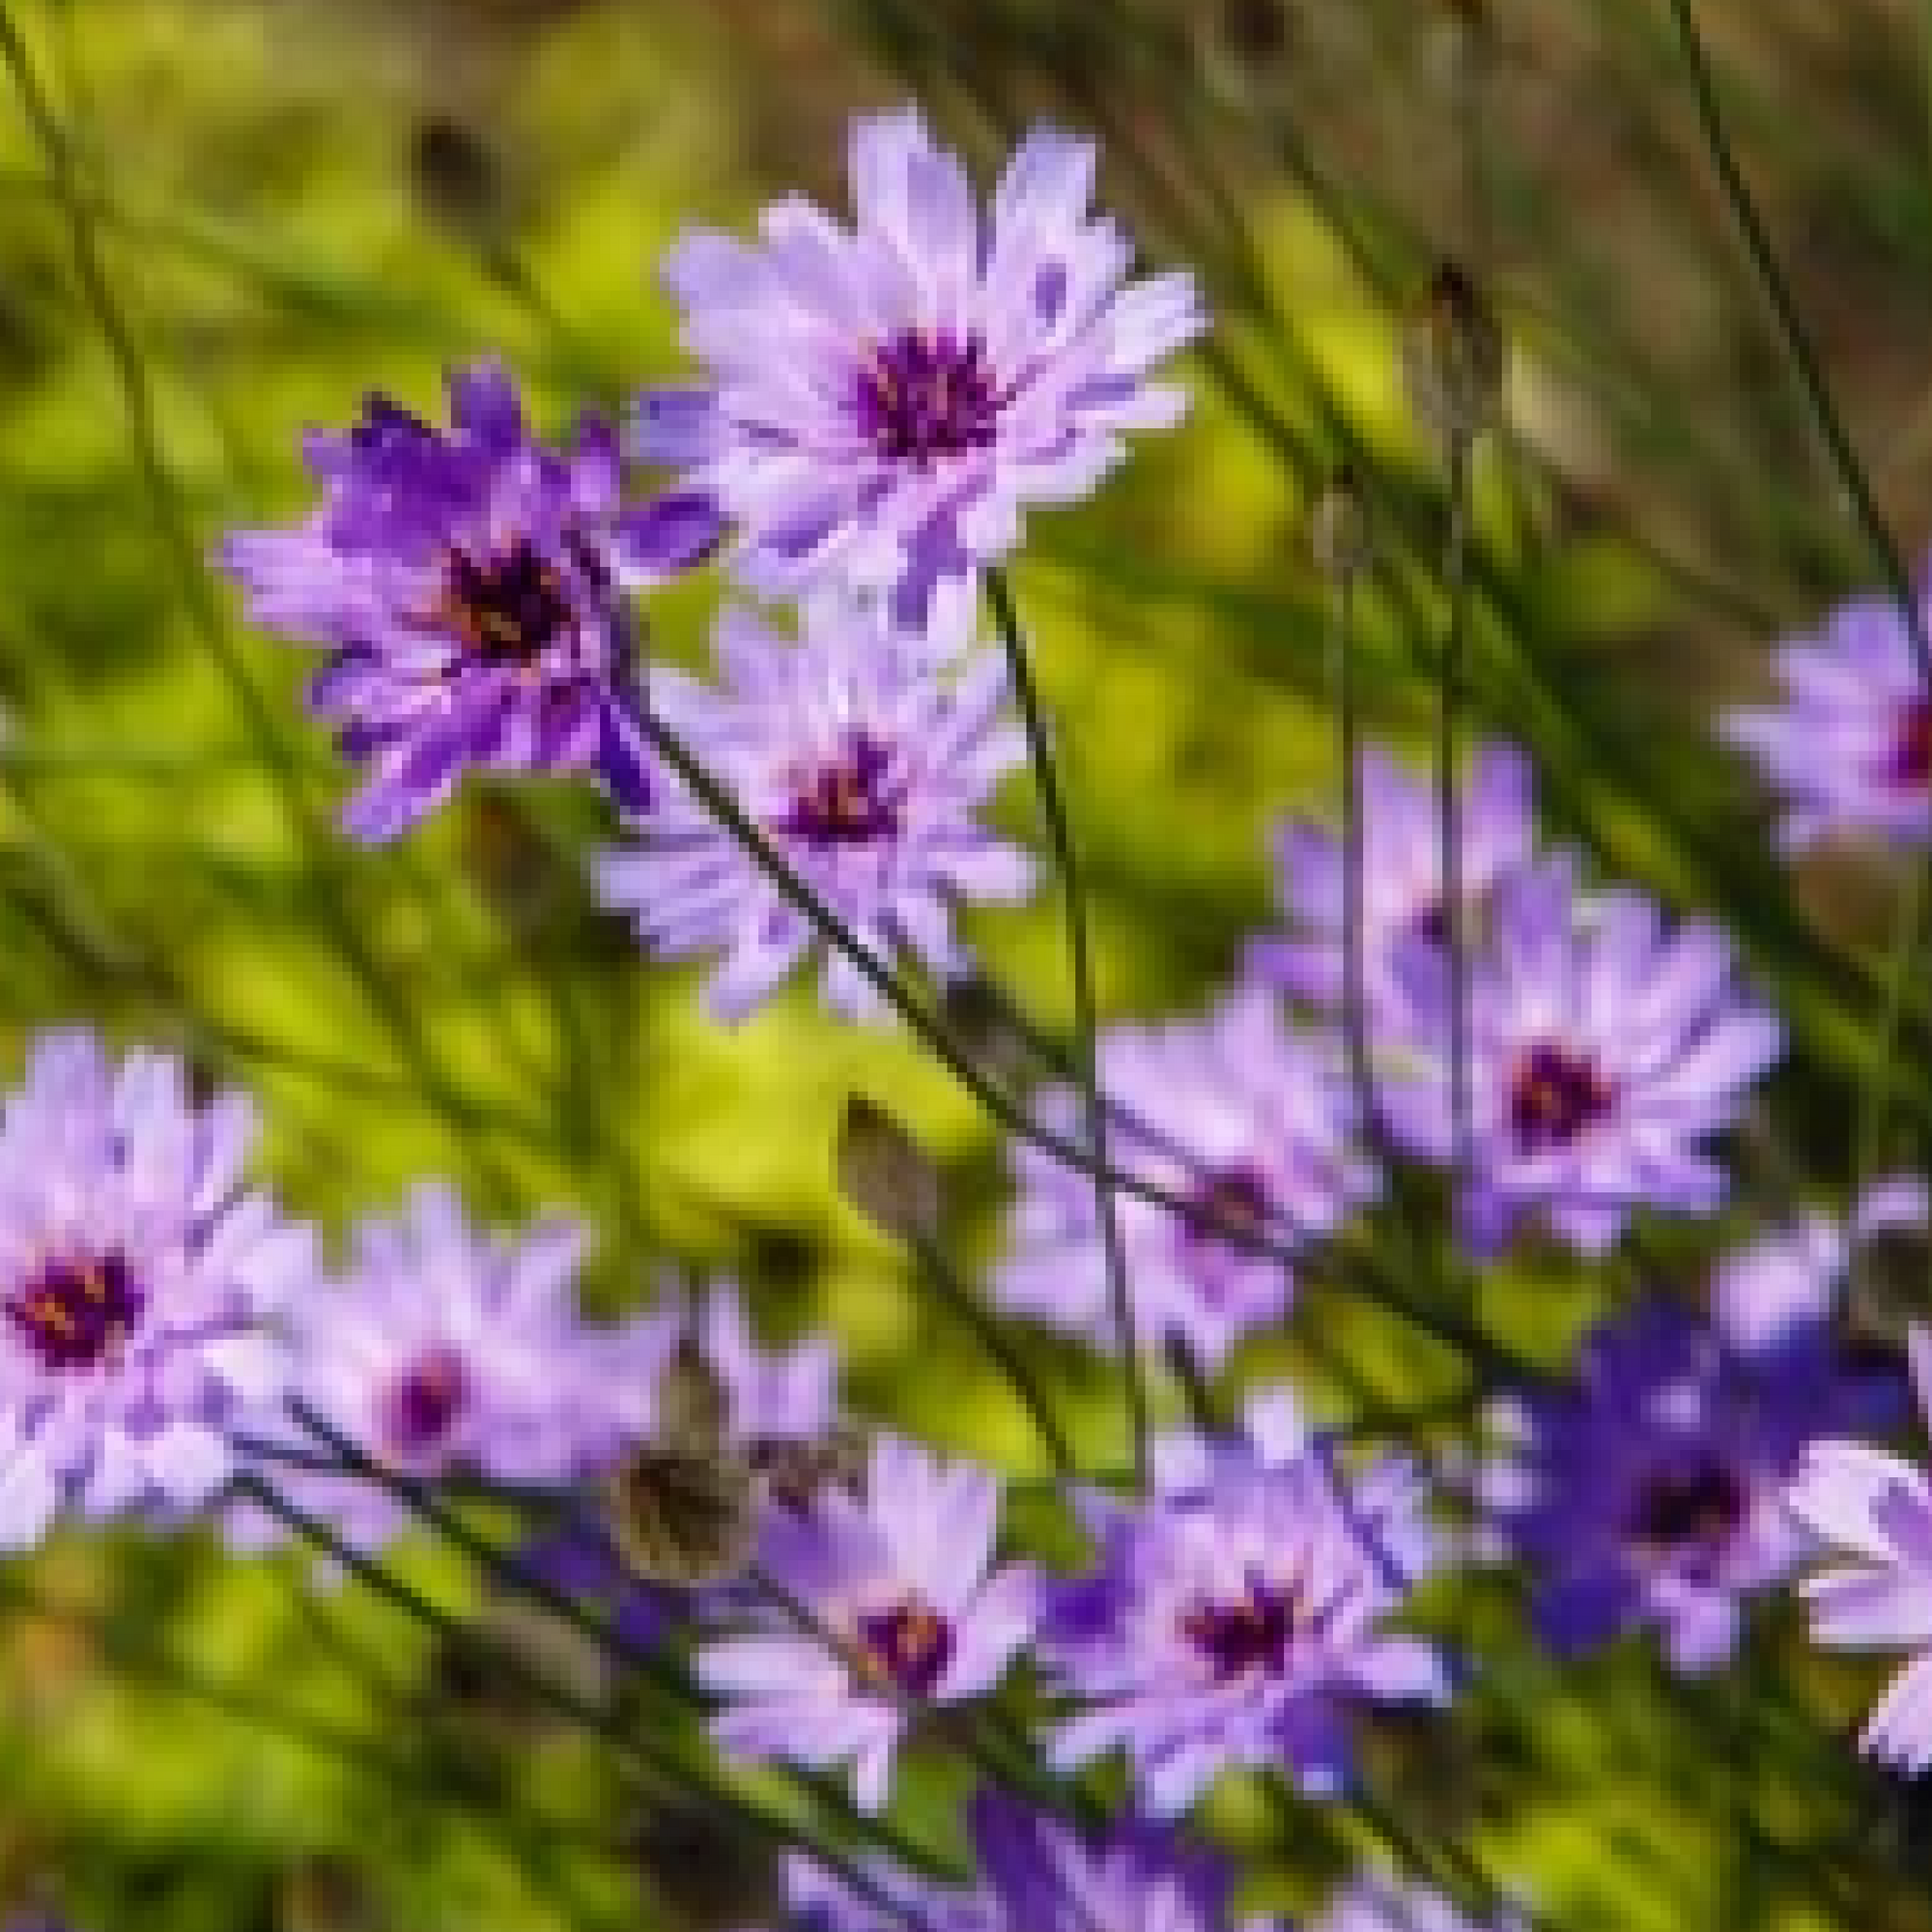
(1086, 1057)
(1796, 343)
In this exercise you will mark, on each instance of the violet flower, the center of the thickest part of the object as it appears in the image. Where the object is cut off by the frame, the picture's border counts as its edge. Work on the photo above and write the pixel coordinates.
(1236, 1615)
(906, 1610)
(881, 404)
(1874, 1510)
(1604, 1048)
(1247, 1121)
(469, 585)
(866, 763)
(140, 1286)
(1849, 750)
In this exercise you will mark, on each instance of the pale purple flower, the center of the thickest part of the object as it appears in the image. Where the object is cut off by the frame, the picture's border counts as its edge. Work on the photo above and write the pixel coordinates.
(865, 760)
(882, 404)
(1246, 1119)
(1236, 1616)
(1651, 1490)
(1402, 885)
(469, 585)
(1849, 747)
(1875, 1510)
(907, 1606)
(140, 1281)
(448, 1349)
(1604, 1047)
(1374, 1902)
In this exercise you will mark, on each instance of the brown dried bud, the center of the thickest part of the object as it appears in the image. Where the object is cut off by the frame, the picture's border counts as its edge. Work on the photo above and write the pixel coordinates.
(795, 1472)
(886, 1174)
(1339, 530)
(983, 1025)
(1454, 357)
(694, 1404)
(681, 1517)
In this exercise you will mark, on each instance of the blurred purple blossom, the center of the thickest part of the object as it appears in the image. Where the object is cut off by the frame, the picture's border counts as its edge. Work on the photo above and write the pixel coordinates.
(140, 1286)
(469, 585)
(881, 404)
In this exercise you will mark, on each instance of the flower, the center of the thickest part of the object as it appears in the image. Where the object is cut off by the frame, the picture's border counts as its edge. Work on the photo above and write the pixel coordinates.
(1248, 1122)
(1603, 1048)
(1876, 1509)
(1849, 747)
(446, 1349)
(864, 764)
(1374, 1903)
(467, 585)
(1234, 1617)
(1652, 1489)
(140, 1283)
(1401, 889)
(906, 1610)
(882, 404)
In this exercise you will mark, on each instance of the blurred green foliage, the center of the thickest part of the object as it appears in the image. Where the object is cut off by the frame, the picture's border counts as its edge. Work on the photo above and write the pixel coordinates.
(288, 203)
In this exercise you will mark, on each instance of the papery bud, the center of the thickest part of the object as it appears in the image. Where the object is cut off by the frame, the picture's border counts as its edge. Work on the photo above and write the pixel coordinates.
(1339, 531)
(693, 1403)
(681, 1517)
(796, 1472)
(886, 1174)
(1454, 357)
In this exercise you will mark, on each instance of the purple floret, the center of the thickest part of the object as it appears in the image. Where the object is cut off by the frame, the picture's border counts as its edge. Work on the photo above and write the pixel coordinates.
(1236, 1615)
(1244, 1118)
(469, 585)
(866, 756)
(1604, 1047)
(907, 1606)
(1849, 750)
(881, 404)
(1874, 1510)
(140, 1288)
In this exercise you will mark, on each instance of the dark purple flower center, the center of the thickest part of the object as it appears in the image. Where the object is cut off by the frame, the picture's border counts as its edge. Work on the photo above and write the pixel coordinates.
(1909, 766)
(848, 800)
(76, 1314)
(1253, 1631)
(1680, 1510)
(424, 1400)
(909, 1646)
(507, 609)
(1232, 1197)
(1554, 1094)
(926, 394)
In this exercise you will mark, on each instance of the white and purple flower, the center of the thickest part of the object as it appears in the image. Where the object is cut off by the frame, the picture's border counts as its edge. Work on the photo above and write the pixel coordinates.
(881, 404)
(1237, 1113)
(1604, 1048)
(469, 585)
(1874, 1510)
(1236, 1616)
(140, 1288)
(865, 757)
(1849, 750)
(907, 1606)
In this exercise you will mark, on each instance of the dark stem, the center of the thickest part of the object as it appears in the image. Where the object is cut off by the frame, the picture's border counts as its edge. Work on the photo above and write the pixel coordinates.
(1084, 1026)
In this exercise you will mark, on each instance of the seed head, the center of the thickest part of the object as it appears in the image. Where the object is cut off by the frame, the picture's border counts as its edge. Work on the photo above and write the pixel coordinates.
(1454, 357)
(886, 1174)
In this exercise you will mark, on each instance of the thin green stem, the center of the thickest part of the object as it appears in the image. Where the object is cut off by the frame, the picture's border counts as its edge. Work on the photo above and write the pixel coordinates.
(1796, 343)
(1005, 616)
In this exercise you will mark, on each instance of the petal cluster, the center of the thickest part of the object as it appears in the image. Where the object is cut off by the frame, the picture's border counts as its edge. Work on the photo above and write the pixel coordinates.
(141, 1283)
(881, 403)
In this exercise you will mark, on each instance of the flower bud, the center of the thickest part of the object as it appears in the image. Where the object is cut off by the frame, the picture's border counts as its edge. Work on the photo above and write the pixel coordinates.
(1339, 531)
(1454, 358)
(681, 1517)
(693, 1406)
(886, 1174)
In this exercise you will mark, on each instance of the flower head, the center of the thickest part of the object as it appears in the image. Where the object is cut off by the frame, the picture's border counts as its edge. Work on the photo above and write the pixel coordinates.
(1247, 1121)
(1849, 747)
(139, 1287)
(907, 1610)
(467, 584)
(864, 762)
(1652, 1489)
(1603, 1048)
(882, 402)
(1874, 1510)
(1236, 1615)
(1401, 889)
(448, 1349)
